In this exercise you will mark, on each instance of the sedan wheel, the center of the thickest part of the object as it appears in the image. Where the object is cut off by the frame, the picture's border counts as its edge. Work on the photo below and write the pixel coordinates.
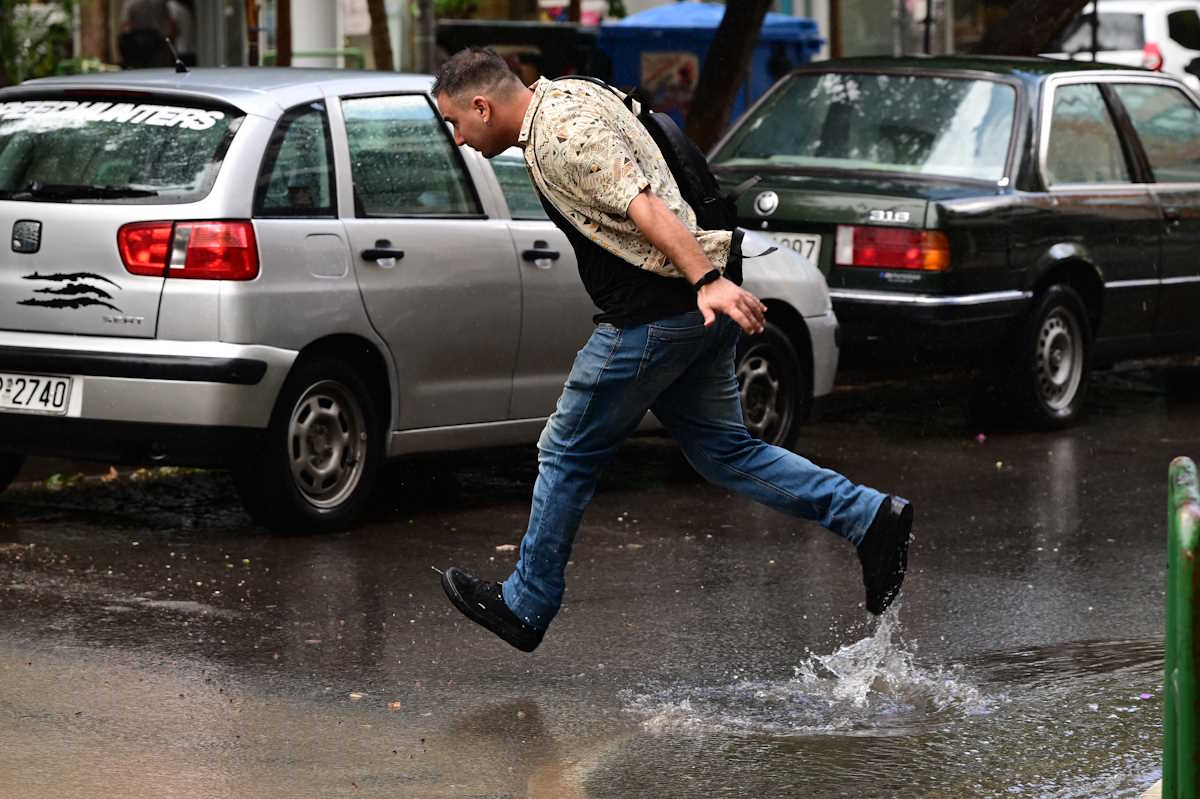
(327, 443)
(1052, 358)
(773, 386)
(1058, 359)
(320, 454)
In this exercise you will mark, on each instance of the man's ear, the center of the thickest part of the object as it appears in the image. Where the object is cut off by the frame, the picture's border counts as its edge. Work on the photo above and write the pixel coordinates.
(482, 106)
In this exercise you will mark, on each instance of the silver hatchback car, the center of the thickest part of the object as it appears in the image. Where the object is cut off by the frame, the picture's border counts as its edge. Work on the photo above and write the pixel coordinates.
(297, 275)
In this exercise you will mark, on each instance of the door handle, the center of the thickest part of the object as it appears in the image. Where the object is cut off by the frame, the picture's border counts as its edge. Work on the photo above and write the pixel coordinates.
(383, 254)
(1172, 215)
(540, 253)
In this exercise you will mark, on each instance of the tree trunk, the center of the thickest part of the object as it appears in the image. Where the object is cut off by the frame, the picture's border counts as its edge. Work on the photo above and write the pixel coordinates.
(381, 40)
(574, 10)
(8, 43)
(93, 30)
(835, 28)
(724, 70)
(426, 44)
(1028, 26)
(283, 33)
(252, 33)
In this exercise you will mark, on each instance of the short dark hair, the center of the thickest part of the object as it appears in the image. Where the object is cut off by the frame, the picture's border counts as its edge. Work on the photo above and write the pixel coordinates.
(477, 70)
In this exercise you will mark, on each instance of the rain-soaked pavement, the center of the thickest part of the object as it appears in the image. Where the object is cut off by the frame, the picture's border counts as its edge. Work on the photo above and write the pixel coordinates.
(153, 643)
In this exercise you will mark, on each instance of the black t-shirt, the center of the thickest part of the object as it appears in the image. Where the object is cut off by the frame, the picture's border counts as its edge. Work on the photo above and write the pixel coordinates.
(627, 295)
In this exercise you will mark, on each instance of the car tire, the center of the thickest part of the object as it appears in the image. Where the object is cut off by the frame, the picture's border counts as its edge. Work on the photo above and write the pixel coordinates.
(315, 470)
(775, 389)
(1052, 358)
(10, 467)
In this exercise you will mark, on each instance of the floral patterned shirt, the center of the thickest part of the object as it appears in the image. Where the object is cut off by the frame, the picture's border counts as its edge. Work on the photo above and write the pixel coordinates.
(590, 157)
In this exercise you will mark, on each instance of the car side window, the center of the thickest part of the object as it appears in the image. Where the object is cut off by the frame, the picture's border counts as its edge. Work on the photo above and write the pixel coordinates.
(1167, 123)
(1084, 146)
(523, 202)
(296, 178)
(403, 162)
(1184, 28)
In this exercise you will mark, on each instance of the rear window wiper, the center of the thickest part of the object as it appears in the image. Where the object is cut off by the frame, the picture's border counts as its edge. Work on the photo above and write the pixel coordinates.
(70, 191)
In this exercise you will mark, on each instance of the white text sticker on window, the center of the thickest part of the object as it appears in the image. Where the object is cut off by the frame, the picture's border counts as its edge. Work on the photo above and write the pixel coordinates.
(167, 116)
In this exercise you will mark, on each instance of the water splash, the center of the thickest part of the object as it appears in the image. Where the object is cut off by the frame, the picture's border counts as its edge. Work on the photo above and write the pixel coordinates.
(872, 687)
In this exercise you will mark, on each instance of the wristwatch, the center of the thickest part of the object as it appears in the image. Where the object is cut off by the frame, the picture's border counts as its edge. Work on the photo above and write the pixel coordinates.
(710, 276)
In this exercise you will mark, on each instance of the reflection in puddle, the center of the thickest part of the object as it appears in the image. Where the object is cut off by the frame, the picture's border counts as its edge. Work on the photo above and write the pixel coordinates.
(870, 687)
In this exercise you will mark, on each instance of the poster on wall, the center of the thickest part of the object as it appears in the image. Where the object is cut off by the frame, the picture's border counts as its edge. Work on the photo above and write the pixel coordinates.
(669, 79)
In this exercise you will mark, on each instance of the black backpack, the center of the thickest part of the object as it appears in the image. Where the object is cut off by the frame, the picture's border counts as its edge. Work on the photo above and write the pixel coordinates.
(714, 209)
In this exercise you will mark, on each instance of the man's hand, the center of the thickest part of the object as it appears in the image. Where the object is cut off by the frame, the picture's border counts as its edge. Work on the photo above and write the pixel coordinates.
(724, 296)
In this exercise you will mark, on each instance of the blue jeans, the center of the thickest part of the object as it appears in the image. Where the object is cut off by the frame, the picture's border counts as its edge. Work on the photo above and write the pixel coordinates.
(683, 372)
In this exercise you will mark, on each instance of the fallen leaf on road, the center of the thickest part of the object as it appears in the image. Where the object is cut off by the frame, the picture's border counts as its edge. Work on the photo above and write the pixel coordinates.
(355, 696)
(110, 476)
(506, 547)
(395, 705)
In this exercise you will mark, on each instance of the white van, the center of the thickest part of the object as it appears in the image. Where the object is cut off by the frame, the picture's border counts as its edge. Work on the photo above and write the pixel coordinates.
(1163, 35)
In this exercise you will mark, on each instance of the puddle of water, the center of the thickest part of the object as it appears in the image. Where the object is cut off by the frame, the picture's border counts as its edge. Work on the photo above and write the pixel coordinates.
(1070, 722)
(872, 687)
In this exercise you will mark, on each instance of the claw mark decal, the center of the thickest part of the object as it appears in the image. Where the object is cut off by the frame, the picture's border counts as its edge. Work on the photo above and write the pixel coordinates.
(76, 288)
(73, 276)
(73, 290)
(78, 302)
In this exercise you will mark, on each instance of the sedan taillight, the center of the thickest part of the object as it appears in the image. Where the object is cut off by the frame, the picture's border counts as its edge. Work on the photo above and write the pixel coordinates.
(224, 250)
(892, 248)
(145, 246)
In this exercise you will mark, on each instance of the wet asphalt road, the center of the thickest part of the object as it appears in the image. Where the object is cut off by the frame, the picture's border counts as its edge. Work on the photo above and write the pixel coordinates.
(154, 643)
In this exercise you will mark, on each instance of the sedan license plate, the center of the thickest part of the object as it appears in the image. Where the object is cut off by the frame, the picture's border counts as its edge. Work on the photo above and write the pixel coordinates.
(25, 393)
(806, 244)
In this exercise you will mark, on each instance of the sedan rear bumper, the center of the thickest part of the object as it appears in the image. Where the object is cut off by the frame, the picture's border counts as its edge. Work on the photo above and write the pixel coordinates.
(928, 322)
(190, 384)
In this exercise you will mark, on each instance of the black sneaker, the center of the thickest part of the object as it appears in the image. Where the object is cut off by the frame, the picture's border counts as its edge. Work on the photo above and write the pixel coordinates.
(483, 603)
(884, 553)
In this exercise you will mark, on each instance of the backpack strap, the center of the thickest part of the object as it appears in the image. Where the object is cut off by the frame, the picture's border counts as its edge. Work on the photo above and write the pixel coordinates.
(632, 101)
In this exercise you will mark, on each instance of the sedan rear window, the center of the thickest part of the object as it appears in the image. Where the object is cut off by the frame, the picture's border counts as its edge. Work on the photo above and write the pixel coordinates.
(919, 124)
(110, 150)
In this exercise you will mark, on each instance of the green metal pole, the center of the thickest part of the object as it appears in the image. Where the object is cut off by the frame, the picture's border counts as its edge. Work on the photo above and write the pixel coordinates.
(1181, 705)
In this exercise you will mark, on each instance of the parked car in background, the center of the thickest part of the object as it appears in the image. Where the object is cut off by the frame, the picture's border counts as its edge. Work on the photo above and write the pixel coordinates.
(1160, 35)
(1029, 215)
(297, 274)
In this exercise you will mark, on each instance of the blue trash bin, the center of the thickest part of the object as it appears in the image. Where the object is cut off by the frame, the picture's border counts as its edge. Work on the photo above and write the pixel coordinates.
(661, 50)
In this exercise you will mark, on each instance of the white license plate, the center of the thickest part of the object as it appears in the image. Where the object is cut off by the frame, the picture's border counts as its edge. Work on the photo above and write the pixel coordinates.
(807, 245)
(35, 393)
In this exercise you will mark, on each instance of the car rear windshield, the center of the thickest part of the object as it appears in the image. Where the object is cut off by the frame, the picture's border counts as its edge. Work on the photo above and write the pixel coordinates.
(111, 150)
(1114, 32)
(919, 124)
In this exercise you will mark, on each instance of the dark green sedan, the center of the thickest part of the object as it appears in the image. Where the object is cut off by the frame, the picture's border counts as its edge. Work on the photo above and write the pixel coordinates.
(1029, 215)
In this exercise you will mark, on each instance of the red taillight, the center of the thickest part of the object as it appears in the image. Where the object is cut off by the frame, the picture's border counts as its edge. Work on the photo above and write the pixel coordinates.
(892, 248)
(195, 250)
(216, 251)
(1152, 57)
(144, 247)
